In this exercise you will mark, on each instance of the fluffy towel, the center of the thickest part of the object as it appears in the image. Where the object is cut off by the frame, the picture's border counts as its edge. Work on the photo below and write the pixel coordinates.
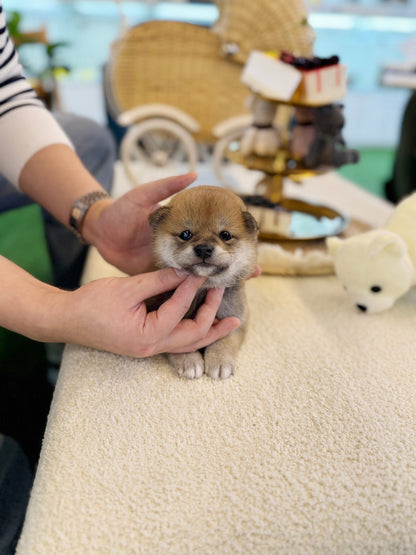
(309, 449)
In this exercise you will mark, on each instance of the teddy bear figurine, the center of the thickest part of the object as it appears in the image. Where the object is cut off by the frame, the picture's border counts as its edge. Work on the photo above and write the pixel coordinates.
(378, 266)
(328, 146)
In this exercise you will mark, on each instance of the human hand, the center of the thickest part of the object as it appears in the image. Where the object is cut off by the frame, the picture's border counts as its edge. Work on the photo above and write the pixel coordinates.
(120, 229)
(110, 314)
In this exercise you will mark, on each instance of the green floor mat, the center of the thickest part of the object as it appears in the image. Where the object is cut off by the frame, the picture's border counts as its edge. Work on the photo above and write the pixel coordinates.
(22, 240)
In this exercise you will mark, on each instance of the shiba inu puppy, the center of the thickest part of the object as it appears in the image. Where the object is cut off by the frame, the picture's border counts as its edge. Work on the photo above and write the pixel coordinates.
(207, 231)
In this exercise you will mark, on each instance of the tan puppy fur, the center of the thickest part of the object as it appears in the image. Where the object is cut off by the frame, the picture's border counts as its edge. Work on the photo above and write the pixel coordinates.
(207, 231)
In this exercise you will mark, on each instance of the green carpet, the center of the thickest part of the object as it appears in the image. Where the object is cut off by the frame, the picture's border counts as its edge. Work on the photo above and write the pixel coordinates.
(22, 240)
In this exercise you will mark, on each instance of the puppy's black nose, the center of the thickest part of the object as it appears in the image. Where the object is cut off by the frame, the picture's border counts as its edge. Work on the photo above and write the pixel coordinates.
(203, 251)
(361, 307)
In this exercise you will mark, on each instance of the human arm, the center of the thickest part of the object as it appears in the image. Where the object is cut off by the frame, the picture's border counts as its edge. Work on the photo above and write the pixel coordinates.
(110, 314)
(25, 124)
(29, 134)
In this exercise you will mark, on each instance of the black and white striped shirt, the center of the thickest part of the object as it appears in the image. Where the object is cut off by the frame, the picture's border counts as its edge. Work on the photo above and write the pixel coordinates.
(26, 126)
(15, 91)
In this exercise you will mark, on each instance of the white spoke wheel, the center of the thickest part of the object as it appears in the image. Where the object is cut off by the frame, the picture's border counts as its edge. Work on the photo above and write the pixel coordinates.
(218, 154)
(157, 141)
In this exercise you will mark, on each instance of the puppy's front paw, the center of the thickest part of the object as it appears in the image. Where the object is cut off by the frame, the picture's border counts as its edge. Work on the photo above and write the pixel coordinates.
(221, 370)
(187, 365)
(218, 364)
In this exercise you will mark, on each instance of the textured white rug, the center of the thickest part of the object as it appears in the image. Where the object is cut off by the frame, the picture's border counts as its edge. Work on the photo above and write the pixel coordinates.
(309, 449)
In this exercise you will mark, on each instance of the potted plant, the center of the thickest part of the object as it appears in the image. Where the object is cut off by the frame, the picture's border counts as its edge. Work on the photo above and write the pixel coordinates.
(43, 80)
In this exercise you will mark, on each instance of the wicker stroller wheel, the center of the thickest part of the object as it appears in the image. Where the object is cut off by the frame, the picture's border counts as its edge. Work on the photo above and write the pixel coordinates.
(156, 141)
(218, 155)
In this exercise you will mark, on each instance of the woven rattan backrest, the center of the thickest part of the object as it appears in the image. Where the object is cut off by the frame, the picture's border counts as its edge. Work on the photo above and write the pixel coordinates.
(274, 25)
(179, 64)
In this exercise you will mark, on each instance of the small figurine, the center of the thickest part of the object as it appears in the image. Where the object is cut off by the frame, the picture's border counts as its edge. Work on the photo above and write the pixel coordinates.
(261, 138)
(328, 146)
(302, 132)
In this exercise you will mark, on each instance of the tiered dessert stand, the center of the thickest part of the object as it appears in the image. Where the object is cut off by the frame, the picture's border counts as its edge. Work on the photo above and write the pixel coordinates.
(285, 85)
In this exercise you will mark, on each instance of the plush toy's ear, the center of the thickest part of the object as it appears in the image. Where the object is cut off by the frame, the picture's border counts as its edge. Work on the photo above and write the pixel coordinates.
(158, 216)
(389, 242)
(333, 244)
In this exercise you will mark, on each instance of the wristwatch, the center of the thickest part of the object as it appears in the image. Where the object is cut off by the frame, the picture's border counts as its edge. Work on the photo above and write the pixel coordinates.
(80, 208)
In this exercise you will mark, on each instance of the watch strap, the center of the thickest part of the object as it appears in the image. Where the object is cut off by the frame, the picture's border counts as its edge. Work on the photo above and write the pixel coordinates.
(80, 208)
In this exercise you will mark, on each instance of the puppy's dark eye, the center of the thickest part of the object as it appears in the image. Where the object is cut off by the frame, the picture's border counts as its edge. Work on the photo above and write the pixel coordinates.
(375, 289)
(225, 235)
(185, 235)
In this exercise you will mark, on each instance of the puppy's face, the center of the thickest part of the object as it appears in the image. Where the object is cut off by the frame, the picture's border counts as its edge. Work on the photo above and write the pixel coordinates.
(206, 231)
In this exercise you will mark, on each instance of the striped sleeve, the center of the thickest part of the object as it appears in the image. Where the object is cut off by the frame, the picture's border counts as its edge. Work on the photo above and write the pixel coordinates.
(26, 126)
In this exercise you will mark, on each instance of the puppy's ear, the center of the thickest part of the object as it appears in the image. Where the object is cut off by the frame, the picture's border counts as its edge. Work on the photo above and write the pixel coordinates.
(250, 222)
(158, 216)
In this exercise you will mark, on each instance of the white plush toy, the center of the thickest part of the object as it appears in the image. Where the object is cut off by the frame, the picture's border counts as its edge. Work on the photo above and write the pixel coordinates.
(379, 266)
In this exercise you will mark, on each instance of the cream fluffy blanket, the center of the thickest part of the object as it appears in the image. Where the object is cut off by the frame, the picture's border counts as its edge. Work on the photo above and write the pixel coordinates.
(309, 449)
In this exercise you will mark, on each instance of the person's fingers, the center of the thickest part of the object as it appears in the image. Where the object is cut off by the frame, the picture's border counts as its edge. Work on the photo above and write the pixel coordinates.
(207, 312)
(221, 329)
(161, 322)
(160, 281)
(190, 335)
(187, 328)
(156, 191)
